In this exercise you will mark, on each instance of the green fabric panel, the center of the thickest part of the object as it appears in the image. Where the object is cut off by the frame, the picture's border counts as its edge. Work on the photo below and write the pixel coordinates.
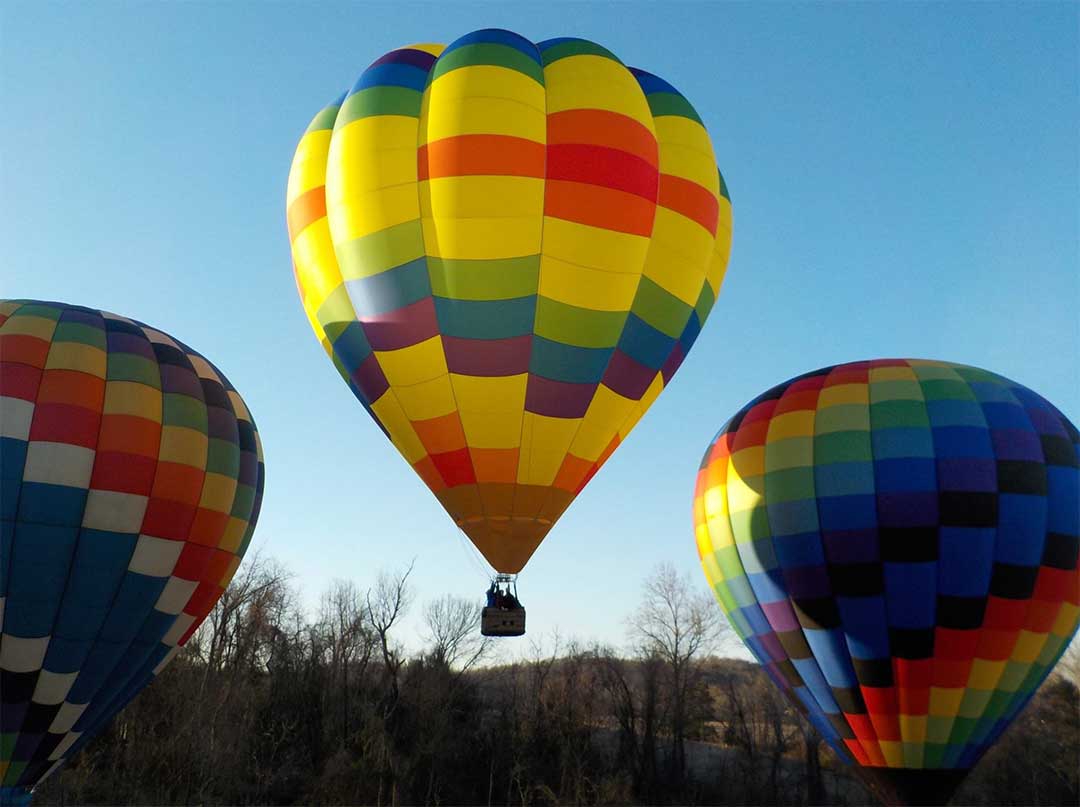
(37, 310)
(790, 485)
(485, 319)
(382, 100)
(661, 309)
(705, 303)
(1012, 678)
(974, 702)
(933, 754)
(7, 745)
(938, 730)
(183, 410)
(723, 593)
(243, 502)
(942, 390)
(975, 374)
(899, 415)
(583, 327)
(847, 446)
(324, 120)
(730, 565)
(132, 367)
(576, 47)
(78, 332)
(223, 458)
(488, 53)
(667, 103)
(500, 279)
(842, 417)
(899, 390)
(336, 313)
(723, 186)
(962, 728)
(14, 771)
(752, 524)
(791, 452)
(377, 252)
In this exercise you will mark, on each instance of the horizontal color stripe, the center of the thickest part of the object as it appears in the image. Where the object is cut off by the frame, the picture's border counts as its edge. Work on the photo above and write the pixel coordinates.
(489, 54)
(305, 209)
(487, 357)
(601, 127)
(606, 167)
(689, 199)
(552, 50)
(491, 154)
(599, 207)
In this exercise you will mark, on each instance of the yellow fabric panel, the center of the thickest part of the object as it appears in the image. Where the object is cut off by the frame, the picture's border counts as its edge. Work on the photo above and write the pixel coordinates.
(491, 429)
(184, 446)
(893, 753)
(482, 81)
(233, 535)
(414, 364)
(891, 374)
(585, 287)
(484, 116)
(679, 254)
(606, 411)
(218, 493)
(490, 394)
(720, 532)
(913, 728)
(791, 424)
(76, 356)
(366, 212)
(434, 48)
(481, 239)
(308, 169)
(376, 151)
(29, 325)
(595, 82)
(426, 400)
(704, 542)
(1028, 646)
(914, 753)
(741, 494)
(843, 394)
(680, 137)
(594, 247)
(132, 398)
(945, 701)
(402, 434)
(544, 444)
(715, 502)
(985, 674)
(484, 196)
(689, 164)
(721, 248)
(651, 393)
(1066, 619)
(316, 264)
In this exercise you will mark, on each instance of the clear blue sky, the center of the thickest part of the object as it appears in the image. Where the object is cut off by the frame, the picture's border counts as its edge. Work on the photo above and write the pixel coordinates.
(904, 177)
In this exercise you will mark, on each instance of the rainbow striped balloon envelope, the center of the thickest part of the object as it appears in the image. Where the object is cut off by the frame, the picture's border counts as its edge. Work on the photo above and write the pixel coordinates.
(896, 543)
(507, 250)
(131, 476)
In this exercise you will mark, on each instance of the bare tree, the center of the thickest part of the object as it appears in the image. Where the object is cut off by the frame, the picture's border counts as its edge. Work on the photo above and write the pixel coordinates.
(453, 625)
(679, 625)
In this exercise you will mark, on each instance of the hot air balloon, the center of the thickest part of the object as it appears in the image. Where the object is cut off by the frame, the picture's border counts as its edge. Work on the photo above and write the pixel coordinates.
(895, 541)
(130, 481)
(507, 250)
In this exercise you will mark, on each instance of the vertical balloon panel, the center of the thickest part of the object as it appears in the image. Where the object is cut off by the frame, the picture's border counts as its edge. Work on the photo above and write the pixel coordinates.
(132, 480)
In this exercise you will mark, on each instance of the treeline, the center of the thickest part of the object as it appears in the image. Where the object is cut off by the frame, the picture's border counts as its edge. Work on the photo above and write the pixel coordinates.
(271, 705)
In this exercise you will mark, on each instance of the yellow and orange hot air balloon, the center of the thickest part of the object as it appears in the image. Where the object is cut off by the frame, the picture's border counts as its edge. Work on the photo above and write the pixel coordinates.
(507, 250)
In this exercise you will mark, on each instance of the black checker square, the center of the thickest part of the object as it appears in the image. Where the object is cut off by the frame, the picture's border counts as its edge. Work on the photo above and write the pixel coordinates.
(1059, 451)
(966, 508)
(857, 579)
(1060, 551)
(912, 643)
(960, 613)
(850, 700)
(874, 672)
(1021, 476)
(908, 544)
(1013, 582)
(817, 614)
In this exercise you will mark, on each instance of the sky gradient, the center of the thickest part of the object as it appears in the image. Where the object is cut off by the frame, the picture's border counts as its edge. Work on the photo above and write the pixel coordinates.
(905, 181)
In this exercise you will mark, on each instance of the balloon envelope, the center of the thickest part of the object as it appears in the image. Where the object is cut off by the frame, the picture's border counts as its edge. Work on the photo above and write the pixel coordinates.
(131, 479)
(507, 250)
(896, 543)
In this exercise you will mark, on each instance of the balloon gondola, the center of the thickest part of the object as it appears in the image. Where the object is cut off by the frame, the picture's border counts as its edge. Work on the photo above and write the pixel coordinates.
(507, 249)
(896, 543)
(131, 477)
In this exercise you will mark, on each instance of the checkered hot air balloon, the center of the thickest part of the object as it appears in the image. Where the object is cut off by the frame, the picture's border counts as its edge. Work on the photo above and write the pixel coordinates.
(130, 481)
(507, 250)
(896, 543)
